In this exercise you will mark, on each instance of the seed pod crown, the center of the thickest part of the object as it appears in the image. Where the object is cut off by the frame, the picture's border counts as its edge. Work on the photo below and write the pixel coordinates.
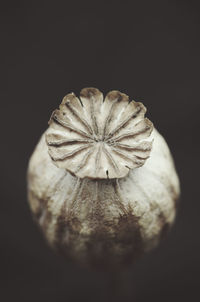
(96, 137)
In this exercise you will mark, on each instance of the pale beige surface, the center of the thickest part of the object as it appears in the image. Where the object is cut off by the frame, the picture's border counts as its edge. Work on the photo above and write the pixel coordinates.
(80, 216)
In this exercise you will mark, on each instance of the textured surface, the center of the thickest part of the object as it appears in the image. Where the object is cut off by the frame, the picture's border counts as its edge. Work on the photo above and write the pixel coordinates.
(99, 138)
(104, 222)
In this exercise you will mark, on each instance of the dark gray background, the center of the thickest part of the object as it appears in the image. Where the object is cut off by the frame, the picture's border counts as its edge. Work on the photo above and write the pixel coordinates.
(149, 50)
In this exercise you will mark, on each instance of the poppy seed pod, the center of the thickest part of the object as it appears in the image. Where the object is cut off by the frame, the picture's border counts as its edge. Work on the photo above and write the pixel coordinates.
(101, 182)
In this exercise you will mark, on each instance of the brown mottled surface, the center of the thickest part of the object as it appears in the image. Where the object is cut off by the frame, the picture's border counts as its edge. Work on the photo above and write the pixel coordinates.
(109, 243)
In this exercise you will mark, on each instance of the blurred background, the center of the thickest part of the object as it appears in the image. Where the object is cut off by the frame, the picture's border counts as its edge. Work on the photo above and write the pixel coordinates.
(147, 49)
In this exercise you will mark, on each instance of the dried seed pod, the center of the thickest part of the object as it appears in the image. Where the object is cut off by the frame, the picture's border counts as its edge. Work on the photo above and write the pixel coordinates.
(101, 181)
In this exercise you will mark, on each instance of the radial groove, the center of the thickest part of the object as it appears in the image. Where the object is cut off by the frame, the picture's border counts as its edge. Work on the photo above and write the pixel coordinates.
(66, 155)
(71, 127)
(83, 121)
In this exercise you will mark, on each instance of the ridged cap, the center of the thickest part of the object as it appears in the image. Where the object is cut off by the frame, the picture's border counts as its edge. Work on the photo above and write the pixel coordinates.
(97, 137)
